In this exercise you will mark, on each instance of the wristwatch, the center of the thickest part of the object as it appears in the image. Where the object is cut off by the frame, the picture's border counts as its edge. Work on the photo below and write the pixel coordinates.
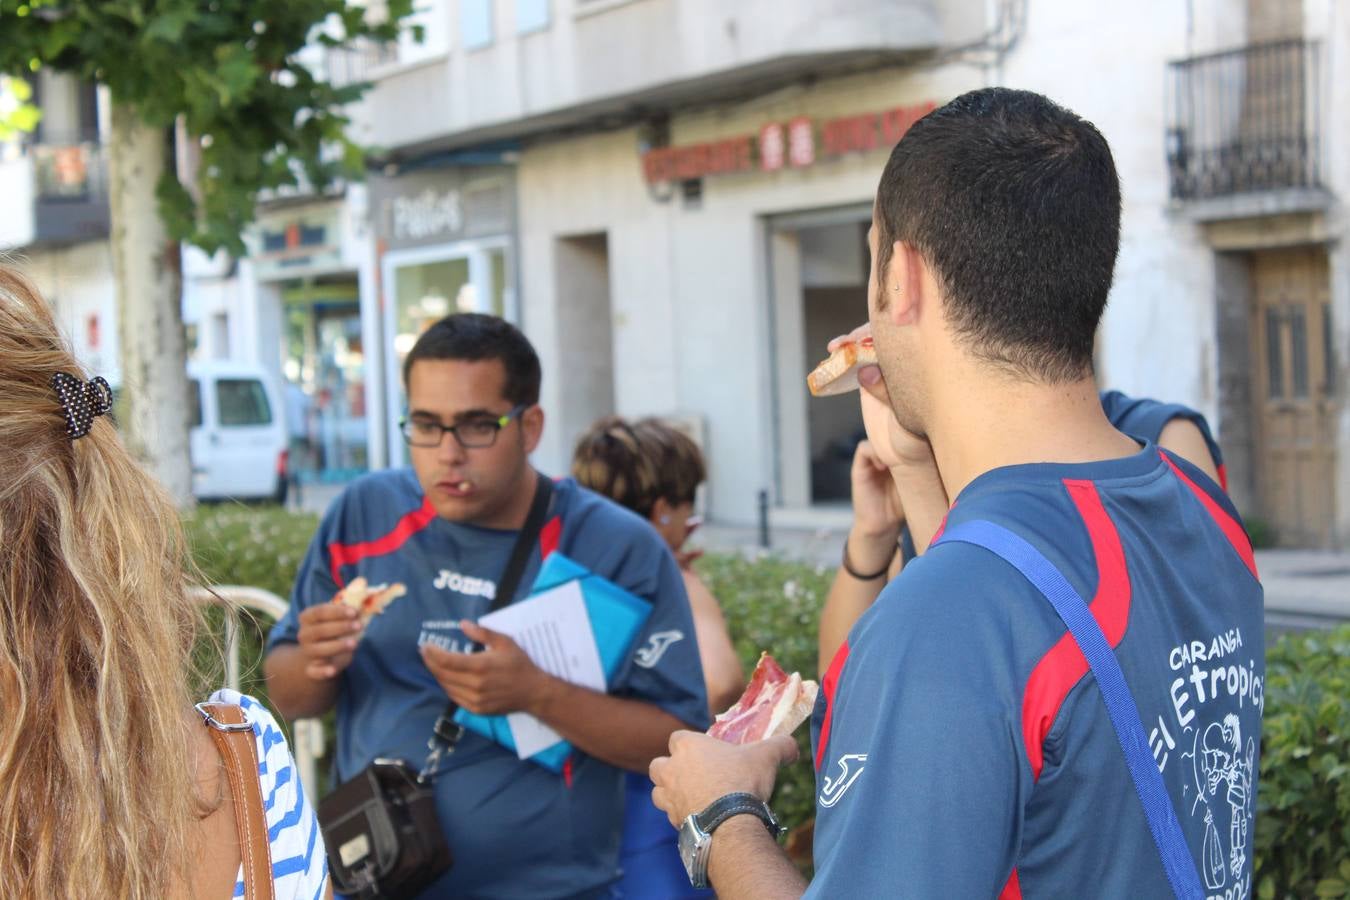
(696, 832)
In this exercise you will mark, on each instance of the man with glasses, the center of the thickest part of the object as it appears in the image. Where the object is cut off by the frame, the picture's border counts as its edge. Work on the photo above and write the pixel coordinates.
(445, 529)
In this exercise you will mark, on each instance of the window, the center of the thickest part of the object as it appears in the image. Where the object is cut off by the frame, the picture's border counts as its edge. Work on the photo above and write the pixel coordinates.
(531, 15)
(1328, 352)
(1274, 356)
(1298, 333)
(242, 402)
(475, 24)
(194, 403)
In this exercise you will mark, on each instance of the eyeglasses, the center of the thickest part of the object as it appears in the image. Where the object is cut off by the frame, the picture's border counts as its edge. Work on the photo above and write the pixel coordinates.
(472, 434)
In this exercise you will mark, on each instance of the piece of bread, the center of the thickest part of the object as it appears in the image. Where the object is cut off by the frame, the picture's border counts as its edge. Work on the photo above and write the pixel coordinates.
(369, 600)
(794, 707)
(774, 702)
(838, 374)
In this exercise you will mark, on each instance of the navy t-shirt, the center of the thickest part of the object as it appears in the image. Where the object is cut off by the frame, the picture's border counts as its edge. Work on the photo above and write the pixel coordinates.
(1140, 418)
(1145, 419)
(516, 830)
(962, 747)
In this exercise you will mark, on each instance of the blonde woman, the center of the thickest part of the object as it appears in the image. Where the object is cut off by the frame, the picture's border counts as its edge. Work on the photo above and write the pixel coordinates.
(112, 786)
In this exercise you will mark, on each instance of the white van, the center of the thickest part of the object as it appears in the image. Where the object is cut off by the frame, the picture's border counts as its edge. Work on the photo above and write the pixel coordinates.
(238, 432)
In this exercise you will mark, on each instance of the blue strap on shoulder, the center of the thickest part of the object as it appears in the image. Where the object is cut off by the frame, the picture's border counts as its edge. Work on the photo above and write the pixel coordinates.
(1120, 706)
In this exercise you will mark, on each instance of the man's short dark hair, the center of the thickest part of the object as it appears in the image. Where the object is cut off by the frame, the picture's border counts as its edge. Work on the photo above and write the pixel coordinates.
(473, 337)
(1014, 203)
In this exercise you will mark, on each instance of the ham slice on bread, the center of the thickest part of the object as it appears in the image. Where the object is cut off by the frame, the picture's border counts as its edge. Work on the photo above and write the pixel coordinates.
(367, 599)
(773, 703)
(838, 374)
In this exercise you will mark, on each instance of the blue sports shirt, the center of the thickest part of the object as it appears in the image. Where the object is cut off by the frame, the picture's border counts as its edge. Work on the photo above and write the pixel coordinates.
(962, 746)
(517, 831)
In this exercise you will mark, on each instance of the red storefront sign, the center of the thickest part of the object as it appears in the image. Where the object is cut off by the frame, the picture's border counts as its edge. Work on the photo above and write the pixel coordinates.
(870, 131)
(801, 143)
(698, 160)
(779, 145)
(772, 147)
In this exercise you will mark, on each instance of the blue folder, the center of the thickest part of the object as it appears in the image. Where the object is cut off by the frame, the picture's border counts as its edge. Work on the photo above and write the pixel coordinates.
(616, 619)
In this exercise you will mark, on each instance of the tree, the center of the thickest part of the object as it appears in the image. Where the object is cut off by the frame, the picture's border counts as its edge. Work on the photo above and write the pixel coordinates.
(229, 71)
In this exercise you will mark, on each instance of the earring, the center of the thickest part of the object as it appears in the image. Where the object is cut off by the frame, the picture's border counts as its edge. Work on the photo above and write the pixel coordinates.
(665, 520)
(895, 288)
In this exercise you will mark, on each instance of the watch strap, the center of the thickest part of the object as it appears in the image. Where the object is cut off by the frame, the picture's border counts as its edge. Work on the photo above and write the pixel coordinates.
(736, 804)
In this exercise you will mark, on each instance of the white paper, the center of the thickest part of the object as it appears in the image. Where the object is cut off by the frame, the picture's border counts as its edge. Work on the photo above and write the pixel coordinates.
(554, 630)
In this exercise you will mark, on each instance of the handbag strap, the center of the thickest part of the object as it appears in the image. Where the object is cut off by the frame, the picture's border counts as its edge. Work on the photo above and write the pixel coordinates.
(233, 735)
(1120, 706)
(446, 732)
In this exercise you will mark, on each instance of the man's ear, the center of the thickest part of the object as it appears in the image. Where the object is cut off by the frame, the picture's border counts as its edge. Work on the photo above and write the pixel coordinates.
(903, 284)
(532, 427)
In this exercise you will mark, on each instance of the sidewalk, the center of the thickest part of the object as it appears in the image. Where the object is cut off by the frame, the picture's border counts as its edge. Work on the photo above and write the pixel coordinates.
(1304, 588)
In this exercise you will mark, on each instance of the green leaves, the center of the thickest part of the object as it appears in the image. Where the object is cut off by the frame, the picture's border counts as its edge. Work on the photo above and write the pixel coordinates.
(774, 604)
(228, 69)
(1303, 812)
(17, 115)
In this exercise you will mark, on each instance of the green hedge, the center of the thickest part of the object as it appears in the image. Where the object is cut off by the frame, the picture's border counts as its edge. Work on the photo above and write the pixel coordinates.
(774, 604)
(1303, 800)
(253, 546)
(1303, 822)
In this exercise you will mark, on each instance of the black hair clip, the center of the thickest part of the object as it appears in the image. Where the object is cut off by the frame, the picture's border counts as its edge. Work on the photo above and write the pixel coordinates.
(82, 400)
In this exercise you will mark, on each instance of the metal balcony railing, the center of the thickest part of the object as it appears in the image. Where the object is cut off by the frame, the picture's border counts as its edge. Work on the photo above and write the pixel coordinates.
(1245, 121)
(355, 62)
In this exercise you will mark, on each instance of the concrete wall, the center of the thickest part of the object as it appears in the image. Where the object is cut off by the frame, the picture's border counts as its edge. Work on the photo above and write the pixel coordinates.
(78, 282)
(1330, 21)
(692, 326)
(699, 281)
(594, 51)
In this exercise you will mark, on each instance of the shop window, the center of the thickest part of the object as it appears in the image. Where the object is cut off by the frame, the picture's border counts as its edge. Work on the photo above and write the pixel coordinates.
(242, 402)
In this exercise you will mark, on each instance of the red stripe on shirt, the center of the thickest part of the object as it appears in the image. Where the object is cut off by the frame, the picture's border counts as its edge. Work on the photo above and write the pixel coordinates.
(1223, 477)
(829, 684)
(340, 555)
(550, 536)
(1013, 889)
(937, 535)
(1062, 667)
(1231, 527)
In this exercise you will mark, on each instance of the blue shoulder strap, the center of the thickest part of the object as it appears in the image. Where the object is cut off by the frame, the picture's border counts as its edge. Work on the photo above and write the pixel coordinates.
(1120, 707)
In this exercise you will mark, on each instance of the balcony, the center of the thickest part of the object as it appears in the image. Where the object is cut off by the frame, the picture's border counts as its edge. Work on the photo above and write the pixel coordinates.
(607, 62)
(58, 193)
(1244, 131)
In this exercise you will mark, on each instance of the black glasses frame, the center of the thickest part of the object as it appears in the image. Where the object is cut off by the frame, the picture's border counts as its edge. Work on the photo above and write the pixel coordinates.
(405, 426)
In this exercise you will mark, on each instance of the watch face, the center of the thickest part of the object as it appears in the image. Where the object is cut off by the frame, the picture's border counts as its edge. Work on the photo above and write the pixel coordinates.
(693, 844)
(688, 844)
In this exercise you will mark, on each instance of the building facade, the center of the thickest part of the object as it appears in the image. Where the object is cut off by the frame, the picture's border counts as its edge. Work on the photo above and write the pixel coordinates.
(671, 198)
(694, 183)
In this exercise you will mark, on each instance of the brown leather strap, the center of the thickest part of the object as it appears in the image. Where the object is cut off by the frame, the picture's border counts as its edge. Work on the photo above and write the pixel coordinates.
(238, 751)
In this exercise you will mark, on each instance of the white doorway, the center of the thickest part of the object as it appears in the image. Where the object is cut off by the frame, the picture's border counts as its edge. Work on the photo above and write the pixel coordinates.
(818, 289)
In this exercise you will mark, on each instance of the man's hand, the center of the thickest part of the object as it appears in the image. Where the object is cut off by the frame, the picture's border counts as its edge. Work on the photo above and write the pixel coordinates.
(893, 445)
(701, 768)
(328, 636)
(498, 679)
(876, 502)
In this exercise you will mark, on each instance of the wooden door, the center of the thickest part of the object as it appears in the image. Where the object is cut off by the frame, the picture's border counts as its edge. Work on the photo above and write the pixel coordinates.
(1294, 394)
